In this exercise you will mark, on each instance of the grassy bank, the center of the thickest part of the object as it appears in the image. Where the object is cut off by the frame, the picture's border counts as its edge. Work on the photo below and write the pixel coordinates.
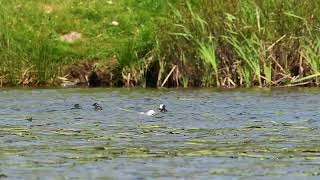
(153, 43)
(31, 49)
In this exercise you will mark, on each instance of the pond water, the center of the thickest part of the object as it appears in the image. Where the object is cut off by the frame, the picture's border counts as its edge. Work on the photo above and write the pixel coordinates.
(206, 134)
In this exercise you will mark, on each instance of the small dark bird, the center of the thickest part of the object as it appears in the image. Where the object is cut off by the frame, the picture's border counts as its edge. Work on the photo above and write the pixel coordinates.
(97, 107)
(76, 106)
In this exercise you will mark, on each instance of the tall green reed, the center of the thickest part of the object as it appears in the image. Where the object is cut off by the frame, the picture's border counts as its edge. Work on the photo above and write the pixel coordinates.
(246, 48)
(311, 52)
(207, 53)
(194, 29)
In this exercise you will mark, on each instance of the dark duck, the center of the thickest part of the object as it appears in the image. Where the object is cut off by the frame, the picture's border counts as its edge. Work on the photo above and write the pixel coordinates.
(76, 106)
(97, 107)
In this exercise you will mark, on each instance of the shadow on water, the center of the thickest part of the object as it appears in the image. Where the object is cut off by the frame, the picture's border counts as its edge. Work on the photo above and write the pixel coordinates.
(205, 134)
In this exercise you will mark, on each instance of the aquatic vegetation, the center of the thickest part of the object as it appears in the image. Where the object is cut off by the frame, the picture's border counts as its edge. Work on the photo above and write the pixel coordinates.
(28, 118)
(214, 135)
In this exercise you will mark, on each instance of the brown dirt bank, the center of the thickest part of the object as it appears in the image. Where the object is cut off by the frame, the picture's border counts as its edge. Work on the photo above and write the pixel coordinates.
(110, 73)
(161, 73)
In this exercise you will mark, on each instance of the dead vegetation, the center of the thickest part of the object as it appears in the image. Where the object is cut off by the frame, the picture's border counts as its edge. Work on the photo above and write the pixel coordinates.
(92, 73)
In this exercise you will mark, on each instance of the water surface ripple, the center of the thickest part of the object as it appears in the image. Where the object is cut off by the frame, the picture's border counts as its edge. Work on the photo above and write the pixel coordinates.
(206, 134)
